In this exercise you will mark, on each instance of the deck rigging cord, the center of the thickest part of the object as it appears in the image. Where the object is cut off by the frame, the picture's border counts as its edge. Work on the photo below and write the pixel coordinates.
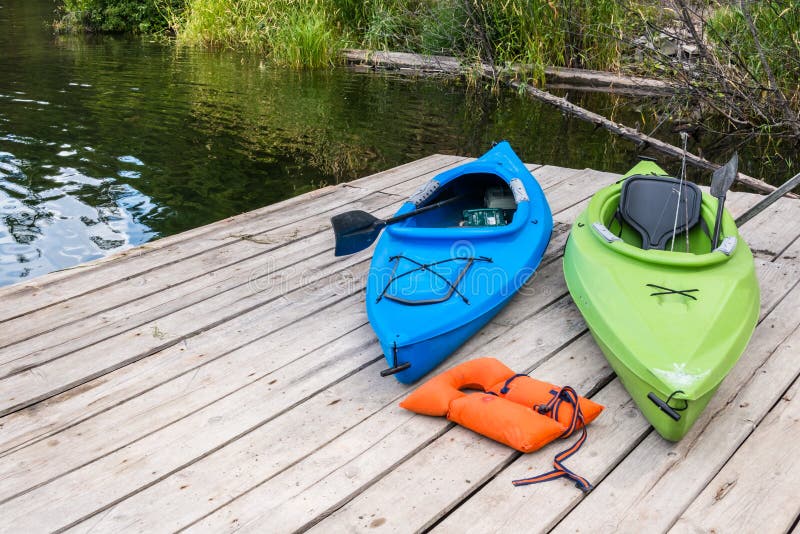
(681, 187)
(669, 291)
(453, 286)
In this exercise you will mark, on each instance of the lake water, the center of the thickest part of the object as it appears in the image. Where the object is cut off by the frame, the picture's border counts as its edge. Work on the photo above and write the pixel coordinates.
(109, 142)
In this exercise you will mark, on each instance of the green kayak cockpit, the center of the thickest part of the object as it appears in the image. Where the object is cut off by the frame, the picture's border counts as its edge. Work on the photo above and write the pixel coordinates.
(621, 236)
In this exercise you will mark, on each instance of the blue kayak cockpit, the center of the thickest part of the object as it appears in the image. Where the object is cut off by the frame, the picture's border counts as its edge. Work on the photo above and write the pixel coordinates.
(481, 203)
(472, 191)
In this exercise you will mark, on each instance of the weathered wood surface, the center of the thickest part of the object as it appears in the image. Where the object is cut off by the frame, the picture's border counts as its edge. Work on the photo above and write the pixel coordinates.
(227, 379)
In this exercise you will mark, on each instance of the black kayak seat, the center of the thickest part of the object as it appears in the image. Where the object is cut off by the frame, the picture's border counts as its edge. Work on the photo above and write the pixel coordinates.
(648, 204)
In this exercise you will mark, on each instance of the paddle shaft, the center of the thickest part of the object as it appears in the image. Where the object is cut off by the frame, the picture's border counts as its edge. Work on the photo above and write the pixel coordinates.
(356, 230)
(768, 200)
(404, 216)
(718, 222)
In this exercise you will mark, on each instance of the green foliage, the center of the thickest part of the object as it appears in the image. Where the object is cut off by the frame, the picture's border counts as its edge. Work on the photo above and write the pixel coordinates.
(306, 40)
(310, 32)
(778, 27)
(569, 33)
(117, 16)
(293, 32)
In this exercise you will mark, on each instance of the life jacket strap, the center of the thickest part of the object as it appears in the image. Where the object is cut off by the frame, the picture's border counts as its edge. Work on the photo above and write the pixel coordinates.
(568, 395)
(507, 385)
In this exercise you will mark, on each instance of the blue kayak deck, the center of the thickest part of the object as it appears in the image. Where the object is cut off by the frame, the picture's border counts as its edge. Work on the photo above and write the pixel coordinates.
(227, 378)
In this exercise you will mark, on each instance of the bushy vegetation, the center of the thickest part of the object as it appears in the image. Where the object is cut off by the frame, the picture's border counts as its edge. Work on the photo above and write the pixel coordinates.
(117, 16)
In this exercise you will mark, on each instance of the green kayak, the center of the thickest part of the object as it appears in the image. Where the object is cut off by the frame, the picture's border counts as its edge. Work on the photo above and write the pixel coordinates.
(672, 318)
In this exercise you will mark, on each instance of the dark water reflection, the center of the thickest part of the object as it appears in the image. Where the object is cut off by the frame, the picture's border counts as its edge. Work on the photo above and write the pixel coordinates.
(108, 142)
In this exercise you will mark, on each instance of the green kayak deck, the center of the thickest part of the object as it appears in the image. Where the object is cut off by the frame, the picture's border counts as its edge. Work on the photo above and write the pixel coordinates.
(672, 324)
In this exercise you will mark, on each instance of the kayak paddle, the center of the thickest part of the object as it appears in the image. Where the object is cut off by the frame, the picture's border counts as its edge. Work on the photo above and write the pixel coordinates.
(356, 230)
(721, 181)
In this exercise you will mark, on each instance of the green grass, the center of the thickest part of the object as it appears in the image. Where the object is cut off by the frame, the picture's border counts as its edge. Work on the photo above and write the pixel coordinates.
(778, 26)
(295, 33)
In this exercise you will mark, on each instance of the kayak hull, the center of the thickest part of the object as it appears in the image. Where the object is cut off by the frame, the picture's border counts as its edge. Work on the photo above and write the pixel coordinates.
(639, 390)
(675, 346)
(434, 283)
(425, 355)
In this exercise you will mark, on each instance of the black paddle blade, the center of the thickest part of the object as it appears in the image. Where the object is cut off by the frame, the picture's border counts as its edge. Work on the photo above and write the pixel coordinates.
(355, 231)
(723, 177)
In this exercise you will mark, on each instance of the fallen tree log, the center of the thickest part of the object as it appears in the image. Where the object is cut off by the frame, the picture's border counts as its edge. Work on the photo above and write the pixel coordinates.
(583, 78)
(452, 66)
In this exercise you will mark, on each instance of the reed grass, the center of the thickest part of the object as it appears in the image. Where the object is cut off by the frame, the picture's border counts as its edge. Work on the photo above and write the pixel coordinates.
(296, 33)
(580, 33)
(778, 26)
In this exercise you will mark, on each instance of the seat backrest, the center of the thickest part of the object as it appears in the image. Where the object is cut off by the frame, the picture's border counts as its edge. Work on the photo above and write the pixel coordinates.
(648, 204)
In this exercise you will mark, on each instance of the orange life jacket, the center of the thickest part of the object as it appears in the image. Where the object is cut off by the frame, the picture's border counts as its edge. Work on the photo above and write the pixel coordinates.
(514, 409)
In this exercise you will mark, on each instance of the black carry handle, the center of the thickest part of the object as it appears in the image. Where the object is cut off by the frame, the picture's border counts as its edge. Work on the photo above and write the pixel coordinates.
(396, 369)
(663, 406)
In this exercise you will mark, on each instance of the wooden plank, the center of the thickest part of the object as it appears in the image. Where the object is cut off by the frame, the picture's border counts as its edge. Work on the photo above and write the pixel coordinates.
(578, 186)
(349, 412)
(774, 229)
(149, 452)
(768, 200)
(43, 381)
(57, 287)
(756, 491)
(383, 180)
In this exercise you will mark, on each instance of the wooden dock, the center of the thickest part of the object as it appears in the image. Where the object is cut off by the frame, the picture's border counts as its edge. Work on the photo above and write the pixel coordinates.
(227, 378)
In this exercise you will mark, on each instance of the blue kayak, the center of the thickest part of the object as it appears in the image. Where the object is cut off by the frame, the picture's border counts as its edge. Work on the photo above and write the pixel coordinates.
(437, 277)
